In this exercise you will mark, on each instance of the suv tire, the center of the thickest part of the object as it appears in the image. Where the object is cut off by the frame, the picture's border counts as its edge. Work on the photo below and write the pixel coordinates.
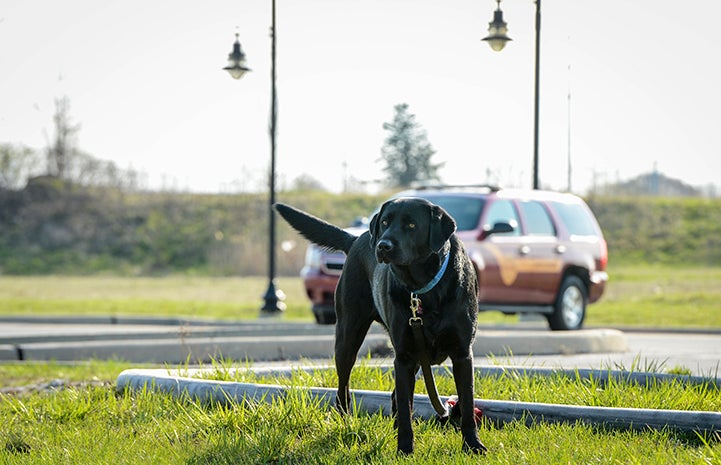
(324, 314)
(570, 308)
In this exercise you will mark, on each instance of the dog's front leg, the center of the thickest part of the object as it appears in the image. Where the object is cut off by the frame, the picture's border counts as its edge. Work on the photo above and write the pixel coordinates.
(463, 374)
(405, 384)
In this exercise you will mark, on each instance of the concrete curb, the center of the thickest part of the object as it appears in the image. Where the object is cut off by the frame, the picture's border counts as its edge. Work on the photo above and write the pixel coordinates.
(601, 376)
(193, 350)
(91, 332)
(8, 353)
(584, 341)
(116, 320)
(260, 347)
(374, 401)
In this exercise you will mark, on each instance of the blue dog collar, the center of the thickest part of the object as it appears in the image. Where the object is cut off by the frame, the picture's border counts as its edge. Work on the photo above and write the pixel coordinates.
(436, 278)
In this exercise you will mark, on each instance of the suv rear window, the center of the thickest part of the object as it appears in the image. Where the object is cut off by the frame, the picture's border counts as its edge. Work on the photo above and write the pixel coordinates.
(576, 218)
(465, 210)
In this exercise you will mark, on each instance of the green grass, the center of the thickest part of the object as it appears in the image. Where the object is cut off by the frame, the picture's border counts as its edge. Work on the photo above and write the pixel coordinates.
(171, 296)
(25, 373)
(639, 295)
(660, 296)
(95, 425)
(558, 389)
(88, 423)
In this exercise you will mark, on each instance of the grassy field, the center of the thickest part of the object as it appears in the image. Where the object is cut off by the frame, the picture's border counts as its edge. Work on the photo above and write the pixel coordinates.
(661, 296)
(170, 296)
(82, 420)
(92, 424)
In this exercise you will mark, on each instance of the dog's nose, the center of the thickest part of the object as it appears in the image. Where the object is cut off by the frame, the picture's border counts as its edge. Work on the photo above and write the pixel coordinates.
(384, 245)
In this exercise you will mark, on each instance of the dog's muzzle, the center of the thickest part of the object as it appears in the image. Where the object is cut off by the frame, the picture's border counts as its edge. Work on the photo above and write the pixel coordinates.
(384, 251)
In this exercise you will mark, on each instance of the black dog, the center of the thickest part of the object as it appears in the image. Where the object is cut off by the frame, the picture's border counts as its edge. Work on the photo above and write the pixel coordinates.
(410, 249)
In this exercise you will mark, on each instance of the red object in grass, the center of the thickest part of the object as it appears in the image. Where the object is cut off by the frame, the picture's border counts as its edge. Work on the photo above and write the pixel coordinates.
(477, 413)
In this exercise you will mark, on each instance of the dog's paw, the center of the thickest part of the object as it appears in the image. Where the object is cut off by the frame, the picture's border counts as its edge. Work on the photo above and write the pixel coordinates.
(474, 446)
(405, 448)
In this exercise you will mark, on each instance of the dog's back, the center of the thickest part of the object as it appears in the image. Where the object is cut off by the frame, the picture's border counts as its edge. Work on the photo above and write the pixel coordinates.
(315, 229)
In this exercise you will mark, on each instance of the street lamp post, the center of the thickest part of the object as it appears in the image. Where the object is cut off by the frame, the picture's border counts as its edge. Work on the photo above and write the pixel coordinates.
(497, 39)
(273, 297)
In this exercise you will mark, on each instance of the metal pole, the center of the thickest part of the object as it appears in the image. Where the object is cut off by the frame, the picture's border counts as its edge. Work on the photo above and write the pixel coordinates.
(536, 184)
(272, 296)
(568, 135)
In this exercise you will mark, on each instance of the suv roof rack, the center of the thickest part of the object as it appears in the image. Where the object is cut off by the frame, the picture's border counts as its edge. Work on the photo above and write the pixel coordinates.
(421, 187)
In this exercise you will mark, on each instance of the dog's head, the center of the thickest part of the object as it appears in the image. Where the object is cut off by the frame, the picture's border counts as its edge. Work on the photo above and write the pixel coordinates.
(407, 230)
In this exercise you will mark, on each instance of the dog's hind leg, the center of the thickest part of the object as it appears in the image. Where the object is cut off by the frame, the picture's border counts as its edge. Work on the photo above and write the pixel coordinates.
(349, 335)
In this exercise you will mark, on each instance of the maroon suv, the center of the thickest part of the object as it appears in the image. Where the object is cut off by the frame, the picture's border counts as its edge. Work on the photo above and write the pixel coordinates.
(535, 252)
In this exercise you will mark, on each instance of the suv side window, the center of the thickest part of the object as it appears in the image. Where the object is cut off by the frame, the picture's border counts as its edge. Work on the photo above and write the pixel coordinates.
(503, 211)
(537, 221)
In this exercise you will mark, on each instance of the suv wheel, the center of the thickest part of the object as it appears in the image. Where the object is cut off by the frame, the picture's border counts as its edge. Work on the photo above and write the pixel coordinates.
(570, 308)
(324, 314)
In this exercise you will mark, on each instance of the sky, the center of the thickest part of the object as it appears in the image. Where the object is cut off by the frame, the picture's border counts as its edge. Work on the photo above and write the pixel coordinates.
(626, 87)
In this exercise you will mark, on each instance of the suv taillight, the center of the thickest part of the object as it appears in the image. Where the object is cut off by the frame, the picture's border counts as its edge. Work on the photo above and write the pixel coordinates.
(604, 256)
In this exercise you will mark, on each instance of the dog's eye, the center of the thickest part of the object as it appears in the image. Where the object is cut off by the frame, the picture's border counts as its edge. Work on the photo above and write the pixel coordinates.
(384, 222)
(411, 226)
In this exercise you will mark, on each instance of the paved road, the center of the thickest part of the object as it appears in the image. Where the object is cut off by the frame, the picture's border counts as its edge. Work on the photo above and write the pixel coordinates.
(698, 352)
(532, 344)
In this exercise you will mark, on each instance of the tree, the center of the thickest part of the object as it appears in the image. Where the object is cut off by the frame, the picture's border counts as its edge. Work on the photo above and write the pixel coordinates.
(62, 152)
(17, 164)
(305, 183)
(406, 151)
(66, 161)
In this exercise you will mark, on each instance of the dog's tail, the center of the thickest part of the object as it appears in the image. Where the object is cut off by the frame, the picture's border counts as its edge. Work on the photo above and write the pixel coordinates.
(316, 230)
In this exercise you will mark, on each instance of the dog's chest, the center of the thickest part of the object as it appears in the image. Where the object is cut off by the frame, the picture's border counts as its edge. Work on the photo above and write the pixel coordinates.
(437, 341)
(430, 326)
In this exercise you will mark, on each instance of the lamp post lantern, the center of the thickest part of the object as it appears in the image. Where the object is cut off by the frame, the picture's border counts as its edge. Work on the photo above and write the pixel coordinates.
(273, 297)
(236, 61)
(497, 30)
(497, 39)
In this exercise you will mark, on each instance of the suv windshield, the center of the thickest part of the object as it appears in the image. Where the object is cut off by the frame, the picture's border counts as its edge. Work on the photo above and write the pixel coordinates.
(465, 210)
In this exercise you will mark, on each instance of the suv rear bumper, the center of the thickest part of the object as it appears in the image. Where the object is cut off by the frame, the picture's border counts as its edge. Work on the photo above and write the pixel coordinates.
(597, 285)
(320, 287)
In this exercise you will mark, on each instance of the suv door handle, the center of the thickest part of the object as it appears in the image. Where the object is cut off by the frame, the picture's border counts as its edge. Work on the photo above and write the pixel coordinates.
(524, 250)
(560, 249)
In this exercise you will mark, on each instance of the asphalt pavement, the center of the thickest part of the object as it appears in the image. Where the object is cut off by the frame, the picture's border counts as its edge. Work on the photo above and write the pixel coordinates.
(269, 341)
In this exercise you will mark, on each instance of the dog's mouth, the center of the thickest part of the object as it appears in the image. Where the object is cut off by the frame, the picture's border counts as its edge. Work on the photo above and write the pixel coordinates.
(383, 257)
(390, 257)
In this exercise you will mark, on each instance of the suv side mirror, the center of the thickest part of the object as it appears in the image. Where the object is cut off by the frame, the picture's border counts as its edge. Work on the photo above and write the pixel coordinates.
(500, 227)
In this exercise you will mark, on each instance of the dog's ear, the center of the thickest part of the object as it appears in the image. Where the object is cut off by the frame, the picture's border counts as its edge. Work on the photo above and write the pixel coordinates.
(441, 228)
(374, 227)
